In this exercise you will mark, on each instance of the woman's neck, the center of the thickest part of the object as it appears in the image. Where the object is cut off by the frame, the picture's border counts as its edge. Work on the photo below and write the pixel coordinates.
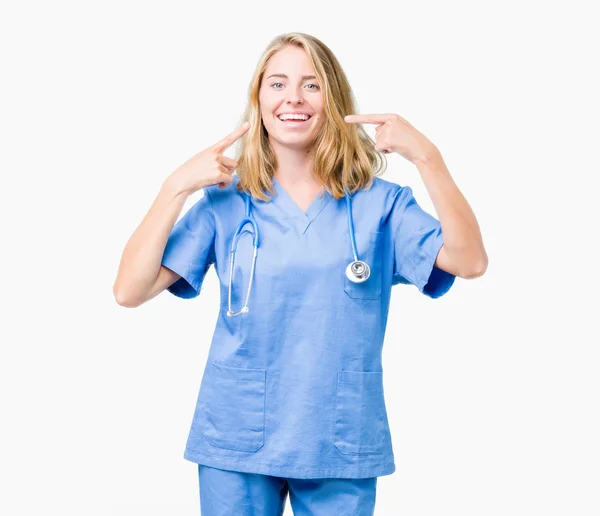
(294, 166)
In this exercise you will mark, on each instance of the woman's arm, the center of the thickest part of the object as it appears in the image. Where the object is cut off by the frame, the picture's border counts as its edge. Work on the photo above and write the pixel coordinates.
(463, 253)
(141, 275)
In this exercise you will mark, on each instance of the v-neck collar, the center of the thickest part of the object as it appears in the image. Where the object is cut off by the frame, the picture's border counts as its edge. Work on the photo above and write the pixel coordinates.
(292, 211)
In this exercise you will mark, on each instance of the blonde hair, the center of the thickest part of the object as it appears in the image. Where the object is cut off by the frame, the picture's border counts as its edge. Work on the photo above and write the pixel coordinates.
(345, 155)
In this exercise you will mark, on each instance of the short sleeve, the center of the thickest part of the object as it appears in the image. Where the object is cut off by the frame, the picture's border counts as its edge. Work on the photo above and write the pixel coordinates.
(190, 248)
(417, 239)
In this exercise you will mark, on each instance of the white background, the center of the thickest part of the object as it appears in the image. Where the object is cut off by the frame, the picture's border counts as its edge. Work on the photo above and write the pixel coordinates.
(492, 391)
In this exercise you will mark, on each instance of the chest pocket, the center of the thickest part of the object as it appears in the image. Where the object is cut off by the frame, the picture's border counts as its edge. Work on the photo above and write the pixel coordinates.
(369, 246)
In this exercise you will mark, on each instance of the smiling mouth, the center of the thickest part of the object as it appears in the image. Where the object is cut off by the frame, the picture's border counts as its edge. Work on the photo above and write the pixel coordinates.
(294, 121)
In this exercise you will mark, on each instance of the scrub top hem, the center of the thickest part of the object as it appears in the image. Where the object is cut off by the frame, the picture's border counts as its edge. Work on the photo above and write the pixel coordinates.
(245, 466)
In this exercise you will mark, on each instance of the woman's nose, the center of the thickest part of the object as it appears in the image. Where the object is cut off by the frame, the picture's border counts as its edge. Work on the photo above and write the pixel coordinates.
(295, 97)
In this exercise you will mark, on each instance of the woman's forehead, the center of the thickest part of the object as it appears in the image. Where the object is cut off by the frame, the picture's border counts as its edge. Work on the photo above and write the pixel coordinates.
(290, 62)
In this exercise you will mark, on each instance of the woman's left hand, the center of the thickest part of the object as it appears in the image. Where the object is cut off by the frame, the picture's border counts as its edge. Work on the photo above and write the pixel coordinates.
(395, 134)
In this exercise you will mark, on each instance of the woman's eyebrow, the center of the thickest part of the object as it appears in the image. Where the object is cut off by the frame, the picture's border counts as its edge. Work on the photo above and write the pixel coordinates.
(304, 77)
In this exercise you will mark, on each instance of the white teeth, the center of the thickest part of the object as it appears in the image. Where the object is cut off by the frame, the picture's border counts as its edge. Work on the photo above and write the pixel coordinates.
(293, 117)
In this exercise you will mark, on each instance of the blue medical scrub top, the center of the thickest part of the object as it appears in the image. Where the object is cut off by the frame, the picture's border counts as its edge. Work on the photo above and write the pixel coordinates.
(294, 387)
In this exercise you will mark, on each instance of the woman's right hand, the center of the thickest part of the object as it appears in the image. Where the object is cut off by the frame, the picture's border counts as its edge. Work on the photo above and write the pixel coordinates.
(209, 167)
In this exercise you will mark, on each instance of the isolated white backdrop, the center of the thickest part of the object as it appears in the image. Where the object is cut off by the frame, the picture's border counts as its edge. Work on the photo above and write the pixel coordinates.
(492, 391)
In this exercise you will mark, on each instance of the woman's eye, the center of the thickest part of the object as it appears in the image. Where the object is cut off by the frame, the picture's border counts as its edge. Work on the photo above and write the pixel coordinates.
(316, 87)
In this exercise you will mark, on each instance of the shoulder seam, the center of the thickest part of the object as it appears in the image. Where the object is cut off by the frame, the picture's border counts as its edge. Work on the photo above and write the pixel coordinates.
(212, 255)
(210, 202)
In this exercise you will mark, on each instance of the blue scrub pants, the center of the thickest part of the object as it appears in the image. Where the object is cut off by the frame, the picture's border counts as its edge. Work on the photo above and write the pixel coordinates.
(231, 493)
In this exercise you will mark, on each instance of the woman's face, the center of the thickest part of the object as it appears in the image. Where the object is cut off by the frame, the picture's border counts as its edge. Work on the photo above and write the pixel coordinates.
(289, 86)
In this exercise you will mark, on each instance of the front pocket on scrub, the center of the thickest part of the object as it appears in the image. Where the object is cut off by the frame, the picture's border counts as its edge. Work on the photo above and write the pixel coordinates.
(360, 415)
(235, 408)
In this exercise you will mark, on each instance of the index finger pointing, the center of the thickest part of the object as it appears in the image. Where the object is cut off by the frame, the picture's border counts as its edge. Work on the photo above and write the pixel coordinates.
(368, 119)
(231, 138)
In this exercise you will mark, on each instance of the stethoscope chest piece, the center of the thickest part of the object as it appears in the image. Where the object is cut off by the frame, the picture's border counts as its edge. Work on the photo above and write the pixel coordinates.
(358, 271)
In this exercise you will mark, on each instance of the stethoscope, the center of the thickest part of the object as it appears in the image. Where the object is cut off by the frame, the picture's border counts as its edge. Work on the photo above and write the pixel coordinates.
(356, 271)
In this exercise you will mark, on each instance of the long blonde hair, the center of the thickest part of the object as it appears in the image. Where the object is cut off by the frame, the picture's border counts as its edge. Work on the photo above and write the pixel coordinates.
(345, 155)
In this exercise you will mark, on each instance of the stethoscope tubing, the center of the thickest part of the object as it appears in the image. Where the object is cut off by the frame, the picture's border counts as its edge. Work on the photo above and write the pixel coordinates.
(351, 225)
(255, 240)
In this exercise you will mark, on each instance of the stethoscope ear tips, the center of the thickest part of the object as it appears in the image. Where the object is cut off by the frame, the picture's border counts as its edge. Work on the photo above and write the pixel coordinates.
(358, 271)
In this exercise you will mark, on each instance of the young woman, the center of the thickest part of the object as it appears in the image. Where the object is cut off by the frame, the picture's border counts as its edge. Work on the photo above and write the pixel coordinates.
(307, 242)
